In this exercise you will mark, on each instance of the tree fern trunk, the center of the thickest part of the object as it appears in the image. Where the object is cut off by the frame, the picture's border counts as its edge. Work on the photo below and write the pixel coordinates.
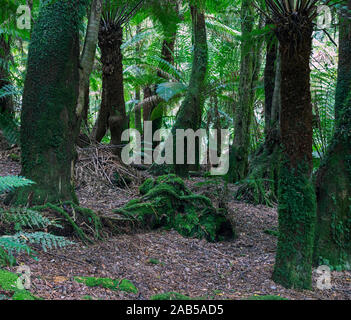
(296, 197)
(112, 104)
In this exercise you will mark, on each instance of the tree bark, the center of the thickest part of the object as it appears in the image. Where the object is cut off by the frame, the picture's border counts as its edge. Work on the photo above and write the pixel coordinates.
(244, 112)
(261, 186)
(49, 101)
(296, 196)
(88, 54)
(269, 79)
(190, 112)
(112, 112)
(333, 183)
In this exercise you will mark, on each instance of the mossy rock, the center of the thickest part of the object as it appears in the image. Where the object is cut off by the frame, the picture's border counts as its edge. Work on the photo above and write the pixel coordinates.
(167, 202)
(266, 297)
(8, 283)
(169, 296)
(112, 284)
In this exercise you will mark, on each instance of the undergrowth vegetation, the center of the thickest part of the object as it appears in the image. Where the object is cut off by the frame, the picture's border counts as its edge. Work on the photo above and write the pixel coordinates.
(21, 229)
(167, 202)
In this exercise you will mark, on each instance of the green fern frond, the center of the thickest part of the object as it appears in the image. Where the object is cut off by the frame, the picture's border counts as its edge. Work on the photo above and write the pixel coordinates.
(26, 218)
(9, 183)
(45, 240)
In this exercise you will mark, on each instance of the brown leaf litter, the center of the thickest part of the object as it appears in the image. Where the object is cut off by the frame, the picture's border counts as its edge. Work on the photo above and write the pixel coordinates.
(224, 270)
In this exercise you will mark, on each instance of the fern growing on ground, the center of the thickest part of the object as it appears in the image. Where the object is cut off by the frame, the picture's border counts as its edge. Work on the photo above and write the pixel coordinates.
(26, 218)
(19, 221)
(9, 183)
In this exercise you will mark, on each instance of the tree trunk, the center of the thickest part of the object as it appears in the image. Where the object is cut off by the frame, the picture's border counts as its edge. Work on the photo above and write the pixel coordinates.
(6, 105)
(296, 196)
(269, 79)
(112, 112)
(261, 187)
(244, 112)
(190, 112)
(137, 112)
(333, 229)
(88, 55)
(49, 101)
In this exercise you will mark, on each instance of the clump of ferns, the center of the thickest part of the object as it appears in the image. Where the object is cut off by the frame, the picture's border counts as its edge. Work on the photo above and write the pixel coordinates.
(22, 229)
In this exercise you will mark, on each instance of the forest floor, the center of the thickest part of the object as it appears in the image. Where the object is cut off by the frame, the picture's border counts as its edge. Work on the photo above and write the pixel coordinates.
(225, 270)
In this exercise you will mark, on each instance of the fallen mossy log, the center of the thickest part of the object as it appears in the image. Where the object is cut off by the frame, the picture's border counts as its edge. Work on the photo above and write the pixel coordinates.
(167, 202)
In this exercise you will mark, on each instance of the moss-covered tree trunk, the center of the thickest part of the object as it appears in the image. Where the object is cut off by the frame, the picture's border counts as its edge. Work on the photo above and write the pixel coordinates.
(190, 112)
(333, 183)
(261, 186)
(49, 102)
(249, 61)
(296, 197)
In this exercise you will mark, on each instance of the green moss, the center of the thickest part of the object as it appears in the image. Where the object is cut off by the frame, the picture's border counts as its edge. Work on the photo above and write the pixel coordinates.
(49, 206)
(112, 284)
(267, 297)
(333, 230)
(274, 233)
(14, 157)
(23, 295)
(8, 282)
(86, 215)
(146, 186)
(48, 120)
(90, 216)
(169, 296)
(128, 286)
(154, 261)
(167, 202)
(297, 216)
(333, 181)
